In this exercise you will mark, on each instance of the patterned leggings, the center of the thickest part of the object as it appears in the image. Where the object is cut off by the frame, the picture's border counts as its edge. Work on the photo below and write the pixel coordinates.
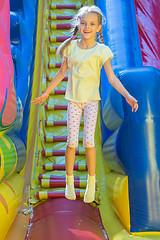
(74, 114)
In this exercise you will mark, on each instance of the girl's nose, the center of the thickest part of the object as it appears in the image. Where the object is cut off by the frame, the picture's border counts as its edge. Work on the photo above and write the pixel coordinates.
(86, 25)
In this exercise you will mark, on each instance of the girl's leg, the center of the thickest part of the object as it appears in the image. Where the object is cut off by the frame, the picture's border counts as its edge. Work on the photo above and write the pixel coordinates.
(90, 117)
(91, 160)
(74, 114)
(69, 159)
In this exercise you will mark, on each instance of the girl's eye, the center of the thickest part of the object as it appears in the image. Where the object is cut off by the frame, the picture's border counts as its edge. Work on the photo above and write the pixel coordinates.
(92, 24)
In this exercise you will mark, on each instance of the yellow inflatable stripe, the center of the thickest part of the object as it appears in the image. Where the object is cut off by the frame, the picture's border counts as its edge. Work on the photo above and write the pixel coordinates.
(83, 183)
(150, 235)
(43, 195)
(16, 158)
(45, 183)
(34, 111)
(6, 142)
(4, 203)
(117, 185)
(2, 164)
(10, 199)
(5, 182)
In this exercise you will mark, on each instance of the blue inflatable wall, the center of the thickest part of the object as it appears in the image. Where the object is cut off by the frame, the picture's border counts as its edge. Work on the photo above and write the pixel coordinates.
(23, 38)
(136, 135)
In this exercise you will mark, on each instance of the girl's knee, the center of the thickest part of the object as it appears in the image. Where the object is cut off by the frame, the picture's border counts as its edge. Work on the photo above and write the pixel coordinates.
(72, 145)
(88, 144)
(72, 142)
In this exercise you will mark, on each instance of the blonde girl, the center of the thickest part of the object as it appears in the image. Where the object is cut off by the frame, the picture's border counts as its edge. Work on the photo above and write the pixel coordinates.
(84, 58)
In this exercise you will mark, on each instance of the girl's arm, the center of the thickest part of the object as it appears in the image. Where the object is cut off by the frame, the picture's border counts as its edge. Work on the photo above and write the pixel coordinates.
(114, 81)
(56, 80)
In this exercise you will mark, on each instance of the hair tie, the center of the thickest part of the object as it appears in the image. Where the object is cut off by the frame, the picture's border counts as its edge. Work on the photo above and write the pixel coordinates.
(73, 37)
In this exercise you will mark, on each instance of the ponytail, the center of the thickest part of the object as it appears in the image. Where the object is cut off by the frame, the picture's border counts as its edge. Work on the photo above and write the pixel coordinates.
(66, 43)
(101, 36)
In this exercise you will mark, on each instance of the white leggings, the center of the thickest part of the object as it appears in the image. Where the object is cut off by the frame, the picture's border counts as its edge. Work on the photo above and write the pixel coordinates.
(74, 114)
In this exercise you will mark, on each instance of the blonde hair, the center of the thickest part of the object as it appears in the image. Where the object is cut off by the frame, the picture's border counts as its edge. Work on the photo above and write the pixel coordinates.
(75, 22)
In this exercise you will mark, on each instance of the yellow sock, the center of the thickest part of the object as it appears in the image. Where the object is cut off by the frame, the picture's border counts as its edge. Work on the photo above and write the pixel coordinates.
(69, 190)
(89, 195)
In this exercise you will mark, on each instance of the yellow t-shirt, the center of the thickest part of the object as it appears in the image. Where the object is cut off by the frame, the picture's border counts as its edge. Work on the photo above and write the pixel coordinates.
(84, 71)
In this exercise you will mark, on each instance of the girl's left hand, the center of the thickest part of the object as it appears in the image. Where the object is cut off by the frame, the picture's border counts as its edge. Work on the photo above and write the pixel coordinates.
(132, 102)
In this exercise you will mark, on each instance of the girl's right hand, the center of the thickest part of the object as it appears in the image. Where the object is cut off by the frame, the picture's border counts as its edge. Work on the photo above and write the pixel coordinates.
(41, 98)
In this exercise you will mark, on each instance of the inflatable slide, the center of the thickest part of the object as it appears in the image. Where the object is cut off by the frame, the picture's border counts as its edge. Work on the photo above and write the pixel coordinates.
(33, 138)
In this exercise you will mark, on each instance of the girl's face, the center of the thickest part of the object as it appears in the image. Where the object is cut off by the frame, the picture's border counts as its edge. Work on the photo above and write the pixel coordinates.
(89, 26)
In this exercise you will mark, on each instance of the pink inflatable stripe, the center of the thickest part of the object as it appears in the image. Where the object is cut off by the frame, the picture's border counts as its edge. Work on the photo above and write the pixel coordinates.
(148, 20)
(8, 104)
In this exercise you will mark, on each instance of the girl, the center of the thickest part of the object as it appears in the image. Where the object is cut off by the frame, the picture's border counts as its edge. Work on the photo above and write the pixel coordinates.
(84, 59)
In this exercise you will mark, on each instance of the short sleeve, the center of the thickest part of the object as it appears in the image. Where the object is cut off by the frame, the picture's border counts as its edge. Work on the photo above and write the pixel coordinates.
(65, 52)
(68, 49)
(106, 54)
